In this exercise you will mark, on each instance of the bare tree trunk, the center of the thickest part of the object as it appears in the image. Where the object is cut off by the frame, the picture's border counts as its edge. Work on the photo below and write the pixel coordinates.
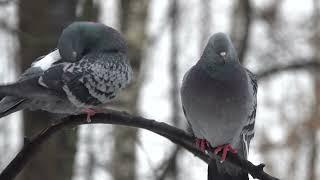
(7, 71)
(91, 161)
(313, 154)
(169, 166)
(173, 168)
(206, 22)
(312, 131)
(133, 21)
(311, 128)
(174, 51)
(240, 26)
(90, 11)
(40, 23)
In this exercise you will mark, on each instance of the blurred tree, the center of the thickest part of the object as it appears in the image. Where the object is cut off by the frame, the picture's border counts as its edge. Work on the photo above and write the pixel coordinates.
(206, 22)
(305, 131)
(172, 163)
(133, 22)
(240, 26)
(313, 124)
(89, 12)
(173, 66)
(270, 13)
(7, 73)
(40, 24)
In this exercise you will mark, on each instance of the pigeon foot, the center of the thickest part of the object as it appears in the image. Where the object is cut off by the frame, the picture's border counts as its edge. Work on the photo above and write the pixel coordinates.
(202, 144)
(89, 112)
(225, 149)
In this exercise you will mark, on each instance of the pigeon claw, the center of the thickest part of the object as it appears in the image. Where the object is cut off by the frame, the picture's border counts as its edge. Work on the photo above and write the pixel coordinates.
(89, 112)
(202, 144)
(224, 149)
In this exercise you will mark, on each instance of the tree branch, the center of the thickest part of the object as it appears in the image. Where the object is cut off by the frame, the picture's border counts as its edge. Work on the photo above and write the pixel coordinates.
(177, 136)
(298, 64)
(168, 163)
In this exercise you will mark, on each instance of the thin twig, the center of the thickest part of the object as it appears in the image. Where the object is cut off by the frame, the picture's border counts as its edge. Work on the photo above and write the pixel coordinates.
(168, 163)
(299, 64)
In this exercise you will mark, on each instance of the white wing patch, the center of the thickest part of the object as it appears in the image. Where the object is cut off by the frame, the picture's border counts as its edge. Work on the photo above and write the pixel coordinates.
(246, 143)
(40, 81)
(46, 62)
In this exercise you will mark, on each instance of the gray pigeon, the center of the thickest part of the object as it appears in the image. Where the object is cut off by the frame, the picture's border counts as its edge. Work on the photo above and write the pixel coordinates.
(219, 101)
(87, 70)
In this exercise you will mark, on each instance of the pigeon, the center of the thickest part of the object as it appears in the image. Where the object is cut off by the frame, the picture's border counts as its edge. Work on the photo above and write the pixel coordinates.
(86, 71)
(219, 100)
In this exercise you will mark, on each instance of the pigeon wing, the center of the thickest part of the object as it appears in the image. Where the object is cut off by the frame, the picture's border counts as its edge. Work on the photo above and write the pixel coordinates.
(93, 80)
(248, 130)
(19, 100)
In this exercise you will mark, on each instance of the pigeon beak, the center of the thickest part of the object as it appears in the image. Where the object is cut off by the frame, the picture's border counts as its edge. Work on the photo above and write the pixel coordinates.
(74, 55)
(224, 56)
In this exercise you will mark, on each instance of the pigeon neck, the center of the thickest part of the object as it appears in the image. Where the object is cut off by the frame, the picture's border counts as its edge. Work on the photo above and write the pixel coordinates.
(219, 71)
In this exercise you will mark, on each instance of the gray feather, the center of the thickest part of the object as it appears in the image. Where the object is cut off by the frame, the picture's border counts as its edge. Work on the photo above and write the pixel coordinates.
(29, 89)
(10, 105)
(88, 69)
(96, 79)
(219, 99)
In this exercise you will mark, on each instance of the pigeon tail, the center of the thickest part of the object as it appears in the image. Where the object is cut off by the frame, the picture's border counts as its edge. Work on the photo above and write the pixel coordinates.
(28, 89)
(18, 89)
(216, 171)
(10, 105)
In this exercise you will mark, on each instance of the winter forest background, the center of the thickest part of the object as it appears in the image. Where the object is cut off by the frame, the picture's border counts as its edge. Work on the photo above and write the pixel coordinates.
(279, 40)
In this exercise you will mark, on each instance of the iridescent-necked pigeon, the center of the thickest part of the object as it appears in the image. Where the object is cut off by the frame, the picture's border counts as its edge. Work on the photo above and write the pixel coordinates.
(219, 101)
(87, 70)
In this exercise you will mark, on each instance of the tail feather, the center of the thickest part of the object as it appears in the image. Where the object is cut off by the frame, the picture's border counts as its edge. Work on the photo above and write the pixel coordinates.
(22, 89)
(224, 171)
(10, 105)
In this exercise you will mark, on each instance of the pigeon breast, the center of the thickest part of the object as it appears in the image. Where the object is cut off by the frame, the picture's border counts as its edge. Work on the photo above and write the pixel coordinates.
(217, 106)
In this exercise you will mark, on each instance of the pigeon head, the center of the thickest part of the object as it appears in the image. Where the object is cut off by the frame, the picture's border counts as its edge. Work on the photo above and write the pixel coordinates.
(220, 50)
(81, 38)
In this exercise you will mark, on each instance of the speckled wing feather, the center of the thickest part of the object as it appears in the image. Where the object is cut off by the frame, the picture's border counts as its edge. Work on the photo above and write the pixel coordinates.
(87, 69)
(94, 80)
(247, 132)
(68, 87)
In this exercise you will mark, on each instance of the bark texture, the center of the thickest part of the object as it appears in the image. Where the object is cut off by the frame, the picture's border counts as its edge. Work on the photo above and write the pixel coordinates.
(40, 24)
(133, 22)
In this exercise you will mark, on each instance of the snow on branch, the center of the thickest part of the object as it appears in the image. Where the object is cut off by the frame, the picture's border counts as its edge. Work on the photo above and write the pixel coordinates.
(176, 135)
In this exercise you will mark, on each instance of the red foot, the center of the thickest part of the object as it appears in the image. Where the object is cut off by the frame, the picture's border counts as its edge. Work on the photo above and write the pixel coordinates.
(225, 149)
(89, 112)
(202, 144)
